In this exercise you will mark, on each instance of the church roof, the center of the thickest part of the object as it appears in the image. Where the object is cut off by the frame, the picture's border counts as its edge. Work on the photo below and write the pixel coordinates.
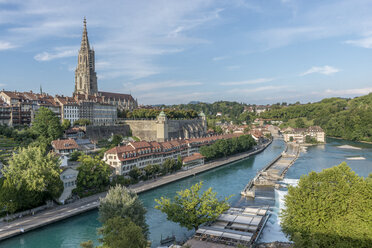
(117, 96)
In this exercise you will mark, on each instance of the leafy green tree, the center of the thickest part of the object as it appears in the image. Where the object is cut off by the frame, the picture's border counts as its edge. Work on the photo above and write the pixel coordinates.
(75, 155)
(300, 123)
(332, 208)
(119, 232)
(66, 124)
(124, 203)
(226, 147)
(191, 208)
(82, 122)
(46, 125)
(31, 178)
(179, 163)
(135, 173)
(116, 140)
(93, 175)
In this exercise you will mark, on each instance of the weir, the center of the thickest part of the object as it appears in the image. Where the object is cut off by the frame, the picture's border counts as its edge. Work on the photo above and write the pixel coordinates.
(243, 225)
(274, 171)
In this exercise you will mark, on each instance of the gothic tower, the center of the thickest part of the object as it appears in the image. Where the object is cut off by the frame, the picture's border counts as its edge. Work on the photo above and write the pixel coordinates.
(85, 75)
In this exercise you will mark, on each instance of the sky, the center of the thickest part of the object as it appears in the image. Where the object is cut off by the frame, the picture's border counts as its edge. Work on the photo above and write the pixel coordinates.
(171, 52)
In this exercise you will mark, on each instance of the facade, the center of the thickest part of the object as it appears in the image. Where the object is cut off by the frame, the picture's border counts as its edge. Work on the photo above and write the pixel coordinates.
(69, 108)
(19, 108)
(66, 146)
(142, 153)
(299, 134)
(68, 177)
(192, 161)
(163, 129)
(85, 75)
(121, 101)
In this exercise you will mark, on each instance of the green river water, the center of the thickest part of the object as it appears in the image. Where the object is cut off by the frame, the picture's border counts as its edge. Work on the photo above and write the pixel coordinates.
(227, 180)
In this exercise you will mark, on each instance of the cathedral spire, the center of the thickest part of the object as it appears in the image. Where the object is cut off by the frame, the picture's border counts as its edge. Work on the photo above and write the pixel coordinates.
(85, 75)
(84, 39)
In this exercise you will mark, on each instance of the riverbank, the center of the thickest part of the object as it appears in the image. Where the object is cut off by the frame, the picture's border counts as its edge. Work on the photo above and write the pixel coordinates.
(41, 219)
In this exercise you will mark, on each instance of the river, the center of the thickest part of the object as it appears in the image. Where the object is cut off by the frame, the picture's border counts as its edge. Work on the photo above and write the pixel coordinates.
(226, 180)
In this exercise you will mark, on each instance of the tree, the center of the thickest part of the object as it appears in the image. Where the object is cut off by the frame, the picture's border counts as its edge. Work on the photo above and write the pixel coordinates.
(31, 178)
(46, 125)
(124, 203)
(87, 244)
(116, 140)
(190, 208)
(135, 173)
(82, 122)
(93, 175)
(332, 208)
(300, 123)
(75, 155)
(119, 232)
(66, 124)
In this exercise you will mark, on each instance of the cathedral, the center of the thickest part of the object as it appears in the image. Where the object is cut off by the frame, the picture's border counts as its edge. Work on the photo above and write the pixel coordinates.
(86, 79)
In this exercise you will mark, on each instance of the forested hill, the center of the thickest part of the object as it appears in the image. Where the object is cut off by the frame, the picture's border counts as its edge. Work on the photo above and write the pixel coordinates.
(345, 118)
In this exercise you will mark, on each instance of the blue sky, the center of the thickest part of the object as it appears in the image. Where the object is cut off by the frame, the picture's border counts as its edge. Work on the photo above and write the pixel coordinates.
(165, 51)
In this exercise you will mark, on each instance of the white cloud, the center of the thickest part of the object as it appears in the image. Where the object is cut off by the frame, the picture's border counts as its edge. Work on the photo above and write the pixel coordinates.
(128, 35)
(6, 45)
(365, 42)
(60, 52)
(253, 81)
(254, 90)
(220, 58)
(357, 91)
(325, 70)
(159, 85)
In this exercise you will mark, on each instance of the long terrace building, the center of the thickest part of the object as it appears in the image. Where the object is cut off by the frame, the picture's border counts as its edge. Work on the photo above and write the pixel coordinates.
(142, 153)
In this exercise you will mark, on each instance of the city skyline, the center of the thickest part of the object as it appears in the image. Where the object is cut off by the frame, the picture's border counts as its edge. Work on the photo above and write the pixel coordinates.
(164, 52)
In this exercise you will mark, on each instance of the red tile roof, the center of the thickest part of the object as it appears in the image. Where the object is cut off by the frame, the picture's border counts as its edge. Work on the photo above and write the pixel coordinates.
(193, 157)
(64, 144)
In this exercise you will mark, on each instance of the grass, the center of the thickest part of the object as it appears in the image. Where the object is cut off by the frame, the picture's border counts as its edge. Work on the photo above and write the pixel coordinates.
(7, 146)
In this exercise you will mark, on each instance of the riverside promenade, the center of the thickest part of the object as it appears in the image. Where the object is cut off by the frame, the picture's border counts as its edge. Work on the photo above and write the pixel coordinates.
(46, 217)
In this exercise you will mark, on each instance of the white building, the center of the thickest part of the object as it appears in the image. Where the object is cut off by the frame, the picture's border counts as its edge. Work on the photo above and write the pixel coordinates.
(299, 134)
(68, 177)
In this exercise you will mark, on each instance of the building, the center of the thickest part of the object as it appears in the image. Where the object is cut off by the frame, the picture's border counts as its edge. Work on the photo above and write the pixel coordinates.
(19, 108)
(121, 101)
(163, 129)
(66, 146)
(142, 153)
(85, 74)
(86, 80)
(69, 108)
(68, 177)
(299, 134)
(74, 133)
(192, 161)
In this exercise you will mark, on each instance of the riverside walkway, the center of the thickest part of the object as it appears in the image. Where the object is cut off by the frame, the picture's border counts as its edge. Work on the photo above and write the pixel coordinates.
(46, 217)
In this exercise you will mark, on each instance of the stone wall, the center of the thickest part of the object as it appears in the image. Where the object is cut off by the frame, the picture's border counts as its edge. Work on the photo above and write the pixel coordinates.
(104, 132)
(144, 129)
(161, 130)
